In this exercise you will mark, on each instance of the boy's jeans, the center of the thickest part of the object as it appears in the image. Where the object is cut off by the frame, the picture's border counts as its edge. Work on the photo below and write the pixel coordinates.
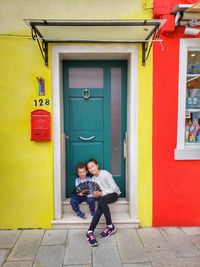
(76, 200)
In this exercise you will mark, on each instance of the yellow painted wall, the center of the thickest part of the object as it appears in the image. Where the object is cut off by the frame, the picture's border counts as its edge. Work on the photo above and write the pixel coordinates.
(26, 170)
(145, 143)
(26, 167)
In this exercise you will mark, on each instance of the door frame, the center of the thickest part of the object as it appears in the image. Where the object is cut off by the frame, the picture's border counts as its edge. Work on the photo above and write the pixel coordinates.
(86, 52)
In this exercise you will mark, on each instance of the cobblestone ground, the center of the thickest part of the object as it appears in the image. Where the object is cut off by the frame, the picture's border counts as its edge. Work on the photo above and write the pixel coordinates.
(145, 247)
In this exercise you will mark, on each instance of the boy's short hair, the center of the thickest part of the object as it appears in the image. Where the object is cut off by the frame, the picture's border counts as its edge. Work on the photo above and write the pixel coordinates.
(81, 166)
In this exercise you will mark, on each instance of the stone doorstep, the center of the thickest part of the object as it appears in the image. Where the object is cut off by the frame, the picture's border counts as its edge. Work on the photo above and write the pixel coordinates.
(71, 221)
(119, 211)
(121, 205)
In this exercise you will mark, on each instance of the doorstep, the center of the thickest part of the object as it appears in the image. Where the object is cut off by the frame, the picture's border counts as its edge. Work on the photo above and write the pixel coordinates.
(119, 210)
(70, 221)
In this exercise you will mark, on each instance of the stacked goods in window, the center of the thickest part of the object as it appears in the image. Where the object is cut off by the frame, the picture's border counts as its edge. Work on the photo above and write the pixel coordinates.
(192, 114)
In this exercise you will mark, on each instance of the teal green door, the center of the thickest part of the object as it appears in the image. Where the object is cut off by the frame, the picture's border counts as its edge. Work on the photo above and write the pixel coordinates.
(95, 116)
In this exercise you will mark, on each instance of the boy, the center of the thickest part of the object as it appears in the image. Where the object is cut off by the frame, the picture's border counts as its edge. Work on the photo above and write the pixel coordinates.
(79, 198)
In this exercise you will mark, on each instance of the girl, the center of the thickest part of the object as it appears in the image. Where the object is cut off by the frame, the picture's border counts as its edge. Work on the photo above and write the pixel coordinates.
(109, 194)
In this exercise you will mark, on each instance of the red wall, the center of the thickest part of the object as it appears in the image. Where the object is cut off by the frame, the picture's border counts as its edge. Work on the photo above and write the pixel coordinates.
(176, 183)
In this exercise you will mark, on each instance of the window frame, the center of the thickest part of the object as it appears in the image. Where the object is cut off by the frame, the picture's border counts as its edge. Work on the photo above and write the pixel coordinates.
(184, 151)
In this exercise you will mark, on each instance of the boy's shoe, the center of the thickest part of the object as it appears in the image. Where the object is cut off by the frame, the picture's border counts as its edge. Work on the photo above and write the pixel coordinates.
(92, 213)
(91, 239)
(108, 231)
(81, 214)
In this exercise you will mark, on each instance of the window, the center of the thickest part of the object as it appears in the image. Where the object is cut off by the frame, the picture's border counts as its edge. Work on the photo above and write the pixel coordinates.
(188, 137)
(192, 113)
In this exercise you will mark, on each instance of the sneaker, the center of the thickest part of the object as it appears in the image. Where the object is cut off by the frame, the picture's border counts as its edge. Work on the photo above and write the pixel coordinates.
(108, 231)
(81, 214)
(91, 239)
(92, 213)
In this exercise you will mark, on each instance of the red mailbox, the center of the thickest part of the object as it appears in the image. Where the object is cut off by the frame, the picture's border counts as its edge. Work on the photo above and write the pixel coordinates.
(40, 125)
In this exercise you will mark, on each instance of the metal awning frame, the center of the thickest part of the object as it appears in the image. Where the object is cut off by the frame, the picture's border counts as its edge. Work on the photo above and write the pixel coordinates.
(43, 44)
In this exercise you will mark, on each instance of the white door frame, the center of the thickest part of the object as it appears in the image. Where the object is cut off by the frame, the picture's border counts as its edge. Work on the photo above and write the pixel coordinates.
(95, 51)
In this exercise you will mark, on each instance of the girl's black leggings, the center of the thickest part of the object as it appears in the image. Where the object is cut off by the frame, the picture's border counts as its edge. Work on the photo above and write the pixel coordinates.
(103, 208)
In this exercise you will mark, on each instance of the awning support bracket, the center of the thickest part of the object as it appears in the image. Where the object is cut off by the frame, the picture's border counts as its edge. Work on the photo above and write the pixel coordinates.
(43, 45)
(144, 50)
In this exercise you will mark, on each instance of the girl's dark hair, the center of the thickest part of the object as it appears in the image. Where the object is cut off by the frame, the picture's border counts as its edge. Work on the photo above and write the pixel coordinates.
(93, 160)
(81, 166)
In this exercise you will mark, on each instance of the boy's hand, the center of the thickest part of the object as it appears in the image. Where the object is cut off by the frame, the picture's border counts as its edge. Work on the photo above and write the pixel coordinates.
(97, 194)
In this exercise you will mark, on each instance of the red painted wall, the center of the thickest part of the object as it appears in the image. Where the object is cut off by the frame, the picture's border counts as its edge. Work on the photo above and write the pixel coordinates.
(176, 184)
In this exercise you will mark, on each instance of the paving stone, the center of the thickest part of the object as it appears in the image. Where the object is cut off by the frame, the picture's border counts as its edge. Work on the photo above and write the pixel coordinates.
(191, 230)
(78, 265)
(3, 255)
(54, 237)
(152, 239)
(130, 246)
(108, 242)
(160, 258)
(18, 264)
(168, 258)
(27, 246)
(77, 250)
(50, 256)
(138, 265)
(8, 238)
(179, 242)
(189, 262)
(196, 240)
(106, 257)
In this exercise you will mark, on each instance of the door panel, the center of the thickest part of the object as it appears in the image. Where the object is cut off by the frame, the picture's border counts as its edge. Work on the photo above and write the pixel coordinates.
(82, 150)
(89, 115)
(95, 123)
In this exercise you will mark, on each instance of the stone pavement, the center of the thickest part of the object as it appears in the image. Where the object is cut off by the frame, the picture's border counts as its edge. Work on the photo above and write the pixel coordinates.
(144, 247)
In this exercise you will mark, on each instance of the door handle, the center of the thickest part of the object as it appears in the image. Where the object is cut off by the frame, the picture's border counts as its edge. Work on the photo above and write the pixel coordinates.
(125, 146)
(87, 138)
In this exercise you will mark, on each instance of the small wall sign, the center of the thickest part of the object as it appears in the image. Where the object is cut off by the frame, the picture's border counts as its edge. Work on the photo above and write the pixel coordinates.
(41, 86)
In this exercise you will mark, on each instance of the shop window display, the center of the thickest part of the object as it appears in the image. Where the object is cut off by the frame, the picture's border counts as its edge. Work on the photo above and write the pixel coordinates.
(192, 113)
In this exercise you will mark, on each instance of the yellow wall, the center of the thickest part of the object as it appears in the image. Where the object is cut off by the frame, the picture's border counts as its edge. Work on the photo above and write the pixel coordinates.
(26, 172)
(145, 143)
(26, 167)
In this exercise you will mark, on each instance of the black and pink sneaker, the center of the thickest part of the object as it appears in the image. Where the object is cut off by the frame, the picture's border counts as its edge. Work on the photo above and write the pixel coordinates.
(108, 231)
(91, 239)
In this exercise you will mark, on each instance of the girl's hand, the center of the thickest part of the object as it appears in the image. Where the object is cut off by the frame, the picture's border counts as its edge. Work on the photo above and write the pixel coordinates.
(97, 194)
